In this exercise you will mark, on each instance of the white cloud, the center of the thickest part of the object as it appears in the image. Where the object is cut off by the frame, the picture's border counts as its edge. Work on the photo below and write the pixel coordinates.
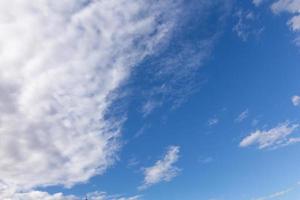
(273, 138)
(292, 7)
(163, 170)
(60, 61)
(213, 121)
(242, 116)
(296, 100)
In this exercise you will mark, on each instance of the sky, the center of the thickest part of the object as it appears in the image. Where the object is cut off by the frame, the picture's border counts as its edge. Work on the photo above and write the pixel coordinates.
(149, 100)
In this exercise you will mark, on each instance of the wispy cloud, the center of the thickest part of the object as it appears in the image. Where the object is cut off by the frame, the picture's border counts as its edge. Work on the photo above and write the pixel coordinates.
(275, 195)
(213, 121)
(60, 64)
(279, 194)
(278, 136)
(171, 76)
(162, 170)
(149, 106)
(242, 116)
(247, 24)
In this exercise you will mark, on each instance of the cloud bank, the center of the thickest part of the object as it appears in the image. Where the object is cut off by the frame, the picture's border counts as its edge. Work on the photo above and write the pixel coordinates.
(60, 62)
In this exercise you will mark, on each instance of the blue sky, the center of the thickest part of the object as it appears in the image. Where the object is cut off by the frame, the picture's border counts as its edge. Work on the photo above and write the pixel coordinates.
(150, 100)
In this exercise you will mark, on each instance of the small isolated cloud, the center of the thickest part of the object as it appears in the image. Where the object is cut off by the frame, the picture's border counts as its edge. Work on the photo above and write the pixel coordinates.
(278, 136)
(296, 100)
(163, 170)
(242, 116)
(213, 121)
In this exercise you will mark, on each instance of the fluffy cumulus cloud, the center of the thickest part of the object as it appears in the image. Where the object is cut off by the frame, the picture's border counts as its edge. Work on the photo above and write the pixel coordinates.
(278, 136)
(60, 62)
(162, 170)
